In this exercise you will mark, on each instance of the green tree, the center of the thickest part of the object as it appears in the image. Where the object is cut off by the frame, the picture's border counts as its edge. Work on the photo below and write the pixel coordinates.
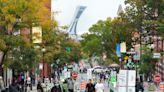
(145, 15)
(69, 50)
(103, 37)
(18, 14)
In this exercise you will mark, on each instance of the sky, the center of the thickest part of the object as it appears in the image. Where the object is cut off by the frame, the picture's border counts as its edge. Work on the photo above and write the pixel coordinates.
(95, 10)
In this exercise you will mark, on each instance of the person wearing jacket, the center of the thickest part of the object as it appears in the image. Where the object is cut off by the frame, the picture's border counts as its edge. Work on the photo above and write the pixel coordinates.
(56, 87)
(14, 87)
(39, 87)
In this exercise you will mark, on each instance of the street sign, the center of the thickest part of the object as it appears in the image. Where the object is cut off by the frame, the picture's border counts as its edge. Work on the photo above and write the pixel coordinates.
(157, 55)
(157, 78)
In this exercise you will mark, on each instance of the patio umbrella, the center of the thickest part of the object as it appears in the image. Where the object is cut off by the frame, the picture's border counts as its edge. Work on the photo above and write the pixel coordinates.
(114, 65)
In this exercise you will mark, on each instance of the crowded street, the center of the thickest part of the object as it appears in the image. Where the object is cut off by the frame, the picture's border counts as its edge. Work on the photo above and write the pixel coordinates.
(81, 46)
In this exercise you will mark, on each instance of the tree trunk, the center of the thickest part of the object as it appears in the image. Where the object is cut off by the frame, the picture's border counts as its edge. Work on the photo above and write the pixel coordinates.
(3, 59)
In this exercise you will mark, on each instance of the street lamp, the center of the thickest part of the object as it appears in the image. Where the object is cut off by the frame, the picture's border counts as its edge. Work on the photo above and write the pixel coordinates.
(43, 52)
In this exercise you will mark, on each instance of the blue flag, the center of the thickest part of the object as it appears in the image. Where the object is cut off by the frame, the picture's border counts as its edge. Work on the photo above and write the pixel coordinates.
(118, 50)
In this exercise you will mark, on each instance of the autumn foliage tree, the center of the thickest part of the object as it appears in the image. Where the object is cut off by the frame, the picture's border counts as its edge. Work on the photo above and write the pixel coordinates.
(14, 16)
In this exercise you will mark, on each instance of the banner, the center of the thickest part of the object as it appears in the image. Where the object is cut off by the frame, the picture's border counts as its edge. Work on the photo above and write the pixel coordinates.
(36, 34)
(118, 50)
(123, 47)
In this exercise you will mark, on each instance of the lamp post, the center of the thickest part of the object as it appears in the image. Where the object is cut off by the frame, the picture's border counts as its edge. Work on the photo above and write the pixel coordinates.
(43, 52)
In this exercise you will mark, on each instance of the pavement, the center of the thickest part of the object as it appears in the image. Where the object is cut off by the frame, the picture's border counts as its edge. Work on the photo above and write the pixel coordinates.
(34, 89)
(147, 89)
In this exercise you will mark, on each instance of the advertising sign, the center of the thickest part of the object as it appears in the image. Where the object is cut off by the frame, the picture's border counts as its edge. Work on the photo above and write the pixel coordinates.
(125, 89)
(131, 89)
(122, 89)
(122, 78)
(131, 78)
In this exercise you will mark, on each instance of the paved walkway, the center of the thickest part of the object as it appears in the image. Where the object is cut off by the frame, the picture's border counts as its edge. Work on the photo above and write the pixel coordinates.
(146, 88)
(33, 89)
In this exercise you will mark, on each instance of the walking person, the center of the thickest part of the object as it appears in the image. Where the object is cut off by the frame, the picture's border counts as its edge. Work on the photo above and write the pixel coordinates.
(76, 86)
(14, 87)
(90, 86)
(56, 87)
(139, 86)
(99, 86)
(39, 87)
(70, 84)
(65, 86)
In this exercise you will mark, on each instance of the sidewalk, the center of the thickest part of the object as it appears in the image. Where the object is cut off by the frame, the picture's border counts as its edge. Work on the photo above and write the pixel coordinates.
(146, 88)
(34, 89)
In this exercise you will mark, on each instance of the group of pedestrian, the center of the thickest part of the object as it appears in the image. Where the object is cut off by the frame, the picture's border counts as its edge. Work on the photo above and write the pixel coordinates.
(95, 87)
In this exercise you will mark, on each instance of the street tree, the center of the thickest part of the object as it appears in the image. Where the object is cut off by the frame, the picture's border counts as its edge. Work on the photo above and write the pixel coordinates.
(104, 35)
(14, 16)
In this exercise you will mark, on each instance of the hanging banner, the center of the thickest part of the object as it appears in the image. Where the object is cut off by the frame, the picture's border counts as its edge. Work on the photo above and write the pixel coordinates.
(118, 50)
(36, 34)
(123, 47)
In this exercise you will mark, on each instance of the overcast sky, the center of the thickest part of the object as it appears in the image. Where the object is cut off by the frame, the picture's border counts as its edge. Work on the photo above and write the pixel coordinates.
(96, 10)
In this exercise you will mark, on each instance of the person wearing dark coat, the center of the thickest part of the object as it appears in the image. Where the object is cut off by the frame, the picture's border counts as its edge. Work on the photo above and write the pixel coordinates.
(39, 87)
(14, 87)
(56, 88)
(139, 86)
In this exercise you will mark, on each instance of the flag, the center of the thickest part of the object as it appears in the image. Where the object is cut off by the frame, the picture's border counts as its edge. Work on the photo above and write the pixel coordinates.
(123, 47)
(36, 34)
(118, 50)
